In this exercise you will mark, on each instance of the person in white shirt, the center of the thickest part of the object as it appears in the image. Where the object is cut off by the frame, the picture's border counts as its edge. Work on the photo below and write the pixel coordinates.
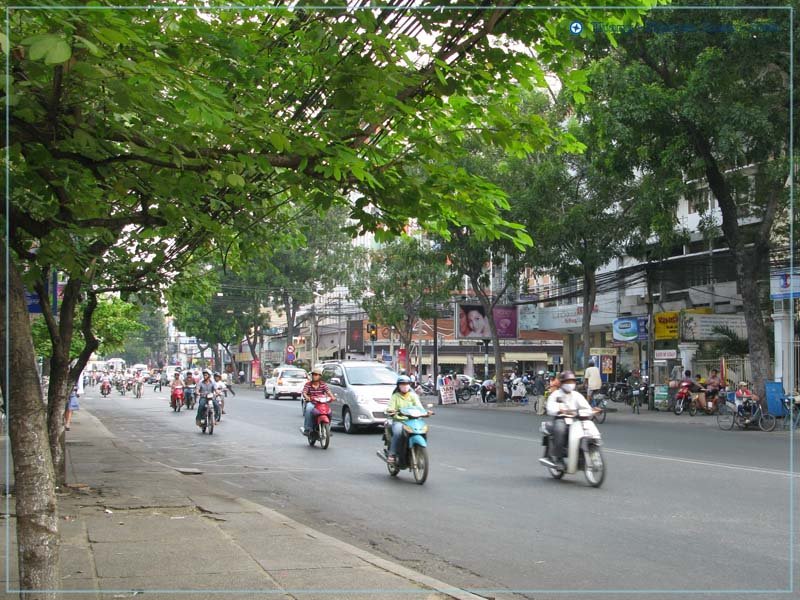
(219, 390)
(593, 380)
(564, 400)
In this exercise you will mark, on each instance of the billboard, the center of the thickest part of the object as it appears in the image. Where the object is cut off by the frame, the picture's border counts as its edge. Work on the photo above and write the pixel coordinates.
(474, 323)
(783, 284)
(696, 327)
(630, 329)
(528, 315)
(355, 336)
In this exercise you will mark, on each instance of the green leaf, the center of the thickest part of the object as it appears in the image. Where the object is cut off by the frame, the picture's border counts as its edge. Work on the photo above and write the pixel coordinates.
(235, 180)
(279, 141)
(90, 46)
(4, 43)
(59, 53)
(42, 46)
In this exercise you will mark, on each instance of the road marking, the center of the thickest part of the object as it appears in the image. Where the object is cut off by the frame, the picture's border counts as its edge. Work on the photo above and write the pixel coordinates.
(537, 440)
(233, 484)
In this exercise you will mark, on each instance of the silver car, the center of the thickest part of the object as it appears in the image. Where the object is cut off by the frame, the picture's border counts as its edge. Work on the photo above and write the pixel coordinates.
(362, 391)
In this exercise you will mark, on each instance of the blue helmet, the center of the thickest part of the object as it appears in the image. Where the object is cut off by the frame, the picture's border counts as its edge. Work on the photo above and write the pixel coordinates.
(403, 379)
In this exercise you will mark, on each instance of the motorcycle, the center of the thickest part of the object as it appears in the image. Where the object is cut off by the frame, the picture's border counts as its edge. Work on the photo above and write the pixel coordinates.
(121, 388)
(491, 392)
(105, 389)
(637, 394)
(706, 402)
(412, 451)
(176, 399)
(322, 424)
(583, 448)
(207, 418)
(683, 397)
(517, 390)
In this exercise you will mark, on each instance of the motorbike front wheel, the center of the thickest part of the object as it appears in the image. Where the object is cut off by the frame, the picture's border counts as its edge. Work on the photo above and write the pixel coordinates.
(594, 466)
(324, 435)
(419, 463)
(678, 407)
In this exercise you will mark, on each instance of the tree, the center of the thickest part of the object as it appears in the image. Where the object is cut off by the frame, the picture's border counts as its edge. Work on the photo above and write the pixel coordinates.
(702, 106)
(148, 342)
(141, 137)
(577, 211)
(407, 277)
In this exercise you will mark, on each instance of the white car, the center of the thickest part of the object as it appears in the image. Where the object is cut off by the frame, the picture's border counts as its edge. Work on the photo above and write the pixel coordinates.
(285, 381)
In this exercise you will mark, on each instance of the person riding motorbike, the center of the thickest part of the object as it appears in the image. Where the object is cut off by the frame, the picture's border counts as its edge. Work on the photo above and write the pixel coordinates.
(219, 390)
(402, 397)
(316, 388)
(203, 389)
(189, 384)
(561, 401)
(713, 384)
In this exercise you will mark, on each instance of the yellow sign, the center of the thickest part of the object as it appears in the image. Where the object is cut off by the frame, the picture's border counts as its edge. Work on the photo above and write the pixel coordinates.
(668, 323)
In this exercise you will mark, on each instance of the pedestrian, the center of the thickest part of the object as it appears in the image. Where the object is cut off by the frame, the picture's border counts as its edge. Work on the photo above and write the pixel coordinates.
(241, 376)
(229, 382)
(593, 380)
(72, 405)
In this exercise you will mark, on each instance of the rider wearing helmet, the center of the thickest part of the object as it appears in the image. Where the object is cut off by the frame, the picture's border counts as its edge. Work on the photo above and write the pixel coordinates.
(559, 402)
(204, 388)
(402, 397)
(220, 390)
(316, 388)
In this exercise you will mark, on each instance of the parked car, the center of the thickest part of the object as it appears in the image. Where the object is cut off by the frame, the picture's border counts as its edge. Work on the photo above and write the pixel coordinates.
(285, 381)
(362, 390)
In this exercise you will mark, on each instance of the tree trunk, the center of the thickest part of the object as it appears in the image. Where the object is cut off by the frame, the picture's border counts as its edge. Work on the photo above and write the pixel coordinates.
(34, 479)
(747, 275)
(589, 296)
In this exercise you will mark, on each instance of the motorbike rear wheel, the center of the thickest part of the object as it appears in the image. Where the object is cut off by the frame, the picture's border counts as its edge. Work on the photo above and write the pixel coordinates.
(693, 408)
(594, 466)
(419, 463)
(324, 435)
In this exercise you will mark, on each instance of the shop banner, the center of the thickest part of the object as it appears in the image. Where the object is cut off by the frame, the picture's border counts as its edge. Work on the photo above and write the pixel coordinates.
(473, 323)
(666, 354)
(630, 329)
(528, 317)
(668, 324)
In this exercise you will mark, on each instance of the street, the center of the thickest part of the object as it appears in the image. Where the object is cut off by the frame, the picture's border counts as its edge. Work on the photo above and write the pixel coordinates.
(685, 506)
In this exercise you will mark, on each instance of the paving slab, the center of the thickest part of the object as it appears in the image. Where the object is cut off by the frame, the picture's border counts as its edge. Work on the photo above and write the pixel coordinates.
(175, 558)
(126, 527)
(349, 582)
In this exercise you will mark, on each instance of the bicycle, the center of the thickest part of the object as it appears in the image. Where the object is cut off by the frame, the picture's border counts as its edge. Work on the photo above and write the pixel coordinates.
(726, 416)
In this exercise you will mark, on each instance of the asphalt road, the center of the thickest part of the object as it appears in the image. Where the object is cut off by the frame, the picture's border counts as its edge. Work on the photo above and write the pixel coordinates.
(685, 506)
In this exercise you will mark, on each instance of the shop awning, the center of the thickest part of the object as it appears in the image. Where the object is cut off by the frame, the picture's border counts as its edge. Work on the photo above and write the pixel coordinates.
(526, 356)
(445, 360)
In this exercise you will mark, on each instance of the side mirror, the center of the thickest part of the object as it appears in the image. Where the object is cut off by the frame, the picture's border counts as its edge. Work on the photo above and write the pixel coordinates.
(337, 381)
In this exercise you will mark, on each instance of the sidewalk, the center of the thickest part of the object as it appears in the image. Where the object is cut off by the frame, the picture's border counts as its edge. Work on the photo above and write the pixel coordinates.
(130, 527)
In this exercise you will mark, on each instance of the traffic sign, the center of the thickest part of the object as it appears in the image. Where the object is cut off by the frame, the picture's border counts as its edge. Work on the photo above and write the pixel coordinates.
(289, 349)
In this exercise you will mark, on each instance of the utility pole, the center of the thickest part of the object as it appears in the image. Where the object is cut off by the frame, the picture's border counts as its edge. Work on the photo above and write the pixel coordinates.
(436, 349)
(651, 401)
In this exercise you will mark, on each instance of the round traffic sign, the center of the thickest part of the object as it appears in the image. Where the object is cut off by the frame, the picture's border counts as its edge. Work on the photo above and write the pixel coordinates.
(290, 349)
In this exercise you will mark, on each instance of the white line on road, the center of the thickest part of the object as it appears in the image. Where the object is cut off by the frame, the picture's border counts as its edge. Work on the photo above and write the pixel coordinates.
(233, 484)
(536, 440)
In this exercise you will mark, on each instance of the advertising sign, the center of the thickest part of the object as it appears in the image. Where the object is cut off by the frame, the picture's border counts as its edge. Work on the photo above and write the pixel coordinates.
(661, 396)
(447, 393)
(607, 364)
(630, 329)
(355, 336)
(668, 323)
(783, 284)
(696, 327)
(603, 351)
(666, 354)
(528, 317)
(473, 322)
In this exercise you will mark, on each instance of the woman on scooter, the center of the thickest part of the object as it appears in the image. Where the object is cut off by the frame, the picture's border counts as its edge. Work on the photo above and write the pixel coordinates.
(402, 397)
(315, 388)
(559, 402)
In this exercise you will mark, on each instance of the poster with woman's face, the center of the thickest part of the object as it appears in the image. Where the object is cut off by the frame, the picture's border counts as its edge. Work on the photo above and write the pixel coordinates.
(474, 323)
